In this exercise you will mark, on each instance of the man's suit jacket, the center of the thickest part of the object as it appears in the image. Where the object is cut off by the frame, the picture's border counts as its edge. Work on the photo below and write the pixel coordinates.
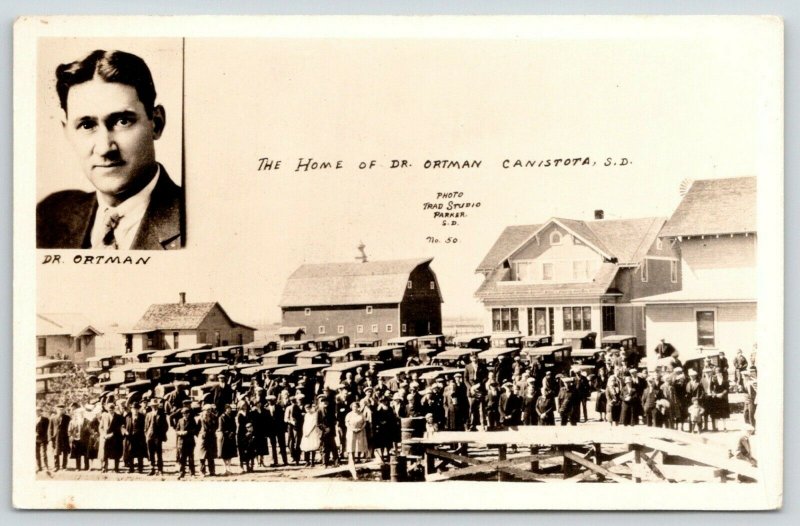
(64, 219)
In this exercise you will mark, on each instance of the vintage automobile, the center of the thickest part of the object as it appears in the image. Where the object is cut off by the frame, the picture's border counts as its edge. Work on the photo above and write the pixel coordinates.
(454, 356)
(480, 342)
(311, 357)
(346, 355)
(409, 343)
(555, 358)
(696, 359)
(506, 340)
(202, 393)
(387, 355)
(537, 341)
(230, 371)
(194, 374)
(231, 354)
(97, 368)
(48, 383)
(299, 345)
(48, 366)
(332, 343)
(367, 342)
(139, 356)
(431, 345)
(116, 377)
(336, 373)
(294, 373)
(493, 354)
(392, 377)
(445, 374)
(168, 355)
(628, 343)
(162, 390)
(261, 372)
(590, 357)
(280, 356)
(198, 356)
(254, 351)
(580, 339)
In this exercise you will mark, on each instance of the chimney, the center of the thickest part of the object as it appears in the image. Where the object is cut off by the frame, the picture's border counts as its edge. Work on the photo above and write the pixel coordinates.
(599, 214)
(183, 298)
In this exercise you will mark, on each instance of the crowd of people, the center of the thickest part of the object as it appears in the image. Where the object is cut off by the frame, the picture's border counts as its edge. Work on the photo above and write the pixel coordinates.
(272, 422)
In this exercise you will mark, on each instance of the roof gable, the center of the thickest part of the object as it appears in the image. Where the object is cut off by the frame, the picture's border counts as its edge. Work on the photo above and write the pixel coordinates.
(60, 324)
(627, 240)
(715, 206)
(376, 282)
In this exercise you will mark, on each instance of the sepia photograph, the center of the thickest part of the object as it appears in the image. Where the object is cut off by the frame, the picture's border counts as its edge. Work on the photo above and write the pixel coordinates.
(432, 262)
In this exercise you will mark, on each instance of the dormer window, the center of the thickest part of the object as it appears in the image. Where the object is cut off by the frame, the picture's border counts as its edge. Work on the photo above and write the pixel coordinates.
(659, 244)
(555, 238)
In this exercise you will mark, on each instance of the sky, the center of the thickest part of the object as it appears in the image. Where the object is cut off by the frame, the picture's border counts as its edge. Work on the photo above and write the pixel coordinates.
(679, 108)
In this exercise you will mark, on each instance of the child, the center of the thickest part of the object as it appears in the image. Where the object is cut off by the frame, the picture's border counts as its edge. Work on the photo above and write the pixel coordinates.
(430, 425)
(249, 449)
(696, 413)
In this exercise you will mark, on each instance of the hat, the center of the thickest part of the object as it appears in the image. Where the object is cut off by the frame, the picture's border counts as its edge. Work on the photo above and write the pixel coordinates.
(207, 407)
(458, 375)
(154, 402)
(186, 410)
(692, 372)
(136, 405)
(322, 398)
(89, 407)
(368, 388)
(399, 396)
(299, 396)
(531, 380)
(271, 398)
(678, 369)
(187, 402)
(508, 384)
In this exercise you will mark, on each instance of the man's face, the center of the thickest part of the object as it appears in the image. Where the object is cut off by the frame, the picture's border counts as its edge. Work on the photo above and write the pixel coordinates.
(108, 127)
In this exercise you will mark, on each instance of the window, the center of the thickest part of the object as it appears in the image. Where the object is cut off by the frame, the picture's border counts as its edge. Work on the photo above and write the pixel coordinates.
(540, 321)
(201, 337)
(375, 327)
(409, 285)
(547, 271)
(340, 329)
(369, 309)
(505, 320)
(389, 327)
(359, 329)
(175, 339)
(705, 327)
(307, 311)
(609, 318)
(659, 244)
(577, 318)
(644, 320)
(555, 238)
(151, 341)
(580, 270)
(433, 285)
(42, 346)
(217, 339)
(403, 328)
(321, 329)
(522, 271)
(644, 270)
(673, 271)
(240, 339)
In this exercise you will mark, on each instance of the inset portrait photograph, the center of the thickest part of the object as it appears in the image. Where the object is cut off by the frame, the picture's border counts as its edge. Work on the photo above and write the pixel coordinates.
(109, 129)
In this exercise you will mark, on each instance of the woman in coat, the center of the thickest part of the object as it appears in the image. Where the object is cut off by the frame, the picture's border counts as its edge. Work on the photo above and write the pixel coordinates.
(630, 400)
(719, 406)
(383, 429)
(529, 416)
(226, 437)
(613, 400)
(311, 440)
(242, 419)
(207, 440)
(546, 408)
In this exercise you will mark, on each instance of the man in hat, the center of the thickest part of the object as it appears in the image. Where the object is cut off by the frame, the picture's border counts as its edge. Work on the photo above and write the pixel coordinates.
(567, 401)
(475, 371)
(275, 428)
(207, 439)
(476, 408)
(491, 406)
(59, 435)
(222, 393)
(185, 431)
(293, 417)
(155, 434)
(42, 426)
(630, 400)
(112, 424)
(326, 419)
(510, 406)
(135, 441)
(739, 366)
(258, 418)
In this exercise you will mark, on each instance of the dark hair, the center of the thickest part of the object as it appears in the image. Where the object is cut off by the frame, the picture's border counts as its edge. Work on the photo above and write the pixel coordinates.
(110, 66)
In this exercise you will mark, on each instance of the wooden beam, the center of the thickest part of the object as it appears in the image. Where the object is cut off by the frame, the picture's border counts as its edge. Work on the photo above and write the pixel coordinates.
(704, 457)
(568, 455)
(501, 456)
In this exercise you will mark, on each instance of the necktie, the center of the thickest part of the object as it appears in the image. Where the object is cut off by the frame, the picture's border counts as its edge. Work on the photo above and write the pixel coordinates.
(112, 220)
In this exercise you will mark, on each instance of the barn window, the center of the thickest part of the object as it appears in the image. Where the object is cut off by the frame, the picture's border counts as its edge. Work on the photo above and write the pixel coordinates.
(359, 329)
(409, 285)
(321, 329)
(340, 329)
(705, 327)
(389, 327)
(403, 328)
(433, 285)
(369, 309)
(240, 338)
(375, 327)
(307, 311)
(201, 337)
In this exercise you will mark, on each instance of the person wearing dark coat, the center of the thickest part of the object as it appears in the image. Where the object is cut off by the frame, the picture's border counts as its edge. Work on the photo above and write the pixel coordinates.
(510, 406)
(693, 389)
(293, 417)
(275, 429)
(460, 403)
(529, 415)
(242, 419)
(546, 408)
(79, 438)
(257, 417)
(135, 441)
(477, 409)
(718, 396)
(568, 402)
(475, 372)
(155, 434)
(42, 427)
(326, 419)
(492, 407)
(185, 431)
(650, 396)
(222, 394)
(207, 439)
(59, 436)
(630, 401)
(112, 438)
(226, 437)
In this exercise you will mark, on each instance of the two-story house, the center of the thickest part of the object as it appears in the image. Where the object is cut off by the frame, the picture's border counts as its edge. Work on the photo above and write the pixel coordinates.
(714, 228)
(564, 277)
(376, 299)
